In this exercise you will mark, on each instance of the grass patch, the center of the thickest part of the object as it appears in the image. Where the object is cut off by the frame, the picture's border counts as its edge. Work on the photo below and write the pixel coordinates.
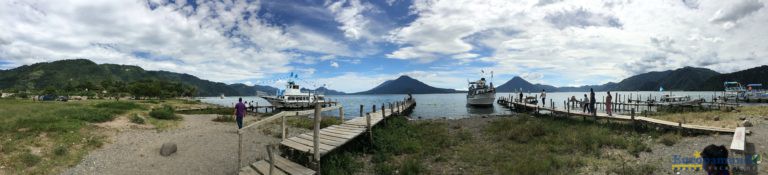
(670, 139)
(119, 105)
(727, 119)
(309, 123)
(165, 112)
(29, 159)
(220, 111)
(136, 119)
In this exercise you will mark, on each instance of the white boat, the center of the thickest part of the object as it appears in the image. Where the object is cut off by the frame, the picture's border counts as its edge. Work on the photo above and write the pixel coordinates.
(480, 94)
(293, 98)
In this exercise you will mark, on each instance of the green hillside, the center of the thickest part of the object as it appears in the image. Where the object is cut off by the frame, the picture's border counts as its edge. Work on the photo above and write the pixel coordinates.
(77, 75)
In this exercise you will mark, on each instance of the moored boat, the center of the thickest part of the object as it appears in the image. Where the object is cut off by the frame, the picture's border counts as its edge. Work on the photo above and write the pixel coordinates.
(480, 94)
(292, 98)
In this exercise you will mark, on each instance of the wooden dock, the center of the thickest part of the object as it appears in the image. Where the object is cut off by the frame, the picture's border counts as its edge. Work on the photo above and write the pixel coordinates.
(567, 111)
(320, 142)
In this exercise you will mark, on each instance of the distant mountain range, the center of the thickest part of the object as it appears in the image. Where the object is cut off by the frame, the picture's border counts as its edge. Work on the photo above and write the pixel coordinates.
(83, 72)
(405, 85)
(325, 91)
(683, 79)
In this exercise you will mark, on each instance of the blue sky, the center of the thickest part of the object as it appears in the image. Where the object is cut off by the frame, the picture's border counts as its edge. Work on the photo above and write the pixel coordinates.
(353, 45)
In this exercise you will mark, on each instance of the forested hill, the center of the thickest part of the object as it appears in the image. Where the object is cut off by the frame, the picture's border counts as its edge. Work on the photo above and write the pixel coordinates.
(80, 74)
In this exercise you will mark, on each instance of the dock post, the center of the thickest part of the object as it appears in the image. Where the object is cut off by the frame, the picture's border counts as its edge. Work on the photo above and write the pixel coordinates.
(341, 114)
(374, 109)
(368, 125)
(632, 116)
(239, 150)
(383, 112)
(361, 111)
(316, 136)
(282, 128)
(271, 159)
(567, 109)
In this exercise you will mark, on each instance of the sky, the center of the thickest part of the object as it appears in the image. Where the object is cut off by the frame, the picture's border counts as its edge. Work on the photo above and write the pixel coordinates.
(353, 45)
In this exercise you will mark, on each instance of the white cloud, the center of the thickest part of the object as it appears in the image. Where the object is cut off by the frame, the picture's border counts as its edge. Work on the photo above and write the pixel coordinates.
(173, 36)
(350, 14)
(334, 64)
(584, 40)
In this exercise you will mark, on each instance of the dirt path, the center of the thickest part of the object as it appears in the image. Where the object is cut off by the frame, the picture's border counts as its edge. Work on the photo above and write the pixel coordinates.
(204, 147)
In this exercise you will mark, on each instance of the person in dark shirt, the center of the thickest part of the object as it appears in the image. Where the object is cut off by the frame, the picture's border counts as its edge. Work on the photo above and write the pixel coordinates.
(592, 101)
(239, 113)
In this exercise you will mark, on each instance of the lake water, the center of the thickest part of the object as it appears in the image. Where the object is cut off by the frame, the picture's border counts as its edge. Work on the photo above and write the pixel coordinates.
(450, 106)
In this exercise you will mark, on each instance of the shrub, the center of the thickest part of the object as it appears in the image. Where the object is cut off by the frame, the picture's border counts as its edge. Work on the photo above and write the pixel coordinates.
(669, 139)
(136, 119)
(60, 150)
(165, 113)
(412, 166)
(93, 115)
(29, 159)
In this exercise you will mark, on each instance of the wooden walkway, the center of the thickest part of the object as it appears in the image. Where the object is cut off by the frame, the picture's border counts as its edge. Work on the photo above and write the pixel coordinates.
(328, 139)
(632, 118)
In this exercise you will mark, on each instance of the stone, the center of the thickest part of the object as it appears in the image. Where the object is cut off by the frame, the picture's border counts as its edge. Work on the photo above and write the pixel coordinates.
(742, 117)
(168, 149)
(717, 118)
(746, 123)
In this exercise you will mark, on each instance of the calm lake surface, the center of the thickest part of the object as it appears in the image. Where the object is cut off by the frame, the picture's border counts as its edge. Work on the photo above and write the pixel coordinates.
(451, 106)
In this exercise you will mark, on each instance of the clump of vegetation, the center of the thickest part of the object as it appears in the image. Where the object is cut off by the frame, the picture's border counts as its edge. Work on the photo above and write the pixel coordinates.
(119, 105)
(29, 159)
(220, 111)
(224, 118)
(60, 150)
(342, 163)
(166, 112)
(670, 139)
(136, 119)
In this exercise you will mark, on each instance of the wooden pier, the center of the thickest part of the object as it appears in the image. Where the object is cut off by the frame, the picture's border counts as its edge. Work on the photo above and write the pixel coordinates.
(320, 142)
(567, 111)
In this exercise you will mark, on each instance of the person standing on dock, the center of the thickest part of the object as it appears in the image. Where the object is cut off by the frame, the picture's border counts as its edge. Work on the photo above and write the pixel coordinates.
(608, 103)
(239, 113)
(521, 96)
(592, 101)
(585, 104)
(543, 98)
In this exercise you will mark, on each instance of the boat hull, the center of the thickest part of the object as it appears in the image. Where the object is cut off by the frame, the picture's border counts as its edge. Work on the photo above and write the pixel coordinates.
(486, 99)
(282, 104)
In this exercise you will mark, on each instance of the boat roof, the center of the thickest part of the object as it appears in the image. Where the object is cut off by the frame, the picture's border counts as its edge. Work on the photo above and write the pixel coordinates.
(753, 85)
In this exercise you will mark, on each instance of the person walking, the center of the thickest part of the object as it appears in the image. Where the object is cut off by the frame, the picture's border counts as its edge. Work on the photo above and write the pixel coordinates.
(543, 98)
(239, 112)
(585, 104)
(608, 104)
(592, 101)
(521, 96)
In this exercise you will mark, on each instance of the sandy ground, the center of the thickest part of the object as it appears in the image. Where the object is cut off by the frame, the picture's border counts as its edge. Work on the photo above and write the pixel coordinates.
(757, 143)
(204, 147)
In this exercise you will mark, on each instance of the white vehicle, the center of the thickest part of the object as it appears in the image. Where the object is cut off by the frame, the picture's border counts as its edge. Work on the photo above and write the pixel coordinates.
(293, 98)
(480, 94)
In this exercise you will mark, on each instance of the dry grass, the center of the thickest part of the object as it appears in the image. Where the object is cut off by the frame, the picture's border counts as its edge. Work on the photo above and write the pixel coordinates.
(728, 119)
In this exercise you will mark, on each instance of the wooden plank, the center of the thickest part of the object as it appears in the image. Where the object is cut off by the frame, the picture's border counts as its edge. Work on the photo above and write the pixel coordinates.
(353, 130)
(352, 126)
(263, 168)
(349, 127)
(323, 140)
(310, 143)
(291, 167)
(338, 135)
(337, 131)
(301, 147)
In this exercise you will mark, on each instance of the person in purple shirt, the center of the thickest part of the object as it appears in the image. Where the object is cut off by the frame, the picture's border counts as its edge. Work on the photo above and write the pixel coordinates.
(239, 112)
